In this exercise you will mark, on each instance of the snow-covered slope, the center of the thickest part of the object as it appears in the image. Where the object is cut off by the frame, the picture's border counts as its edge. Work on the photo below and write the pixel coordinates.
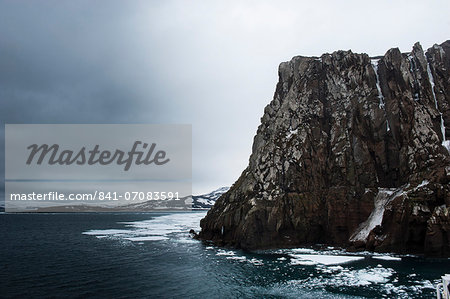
(199, 202)
(206, 201)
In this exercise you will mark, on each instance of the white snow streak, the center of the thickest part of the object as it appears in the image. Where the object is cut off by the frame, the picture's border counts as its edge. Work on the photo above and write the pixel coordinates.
(383, 197)
(381, 105)
(445, 143)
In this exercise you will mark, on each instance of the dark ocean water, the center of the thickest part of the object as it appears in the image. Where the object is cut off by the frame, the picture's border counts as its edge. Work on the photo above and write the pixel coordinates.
(152, 256)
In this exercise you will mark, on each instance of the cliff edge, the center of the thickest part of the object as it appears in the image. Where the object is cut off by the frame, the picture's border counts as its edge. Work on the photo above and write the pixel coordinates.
(352, 151)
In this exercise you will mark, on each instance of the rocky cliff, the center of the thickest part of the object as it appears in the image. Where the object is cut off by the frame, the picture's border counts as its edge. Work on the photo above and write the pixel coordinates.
(352, 151)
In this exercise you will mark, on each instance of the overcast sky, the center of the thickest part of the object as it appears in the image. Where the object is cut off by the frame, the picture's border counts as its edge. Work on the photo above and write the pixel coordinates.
(207, 63)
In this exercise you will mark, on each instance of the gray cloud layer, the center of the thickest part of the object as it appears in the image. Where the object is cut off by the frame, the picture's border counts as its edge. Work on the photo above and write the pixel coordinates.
(209, 63)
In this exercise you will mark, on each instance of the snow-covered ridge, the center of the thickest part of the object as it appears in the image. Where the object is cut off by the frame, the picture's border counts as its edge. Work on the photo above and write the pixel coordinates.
(206, 201)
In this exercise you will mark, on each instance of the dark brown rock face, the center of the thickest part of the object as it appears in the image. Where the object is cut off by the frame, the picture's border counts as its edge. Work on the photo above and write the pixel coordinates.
(352, 152)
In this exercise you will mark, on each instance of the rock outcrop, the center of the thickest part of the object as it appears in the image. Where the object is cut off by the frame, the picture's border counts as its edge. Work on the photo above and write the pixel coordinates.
(352, 151)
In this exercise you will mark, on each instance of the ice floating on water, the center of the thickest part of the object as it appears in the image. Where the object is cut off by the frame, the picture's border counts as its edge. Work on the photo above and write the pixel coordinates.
(303, 250)
(360, 277)
(329, 268)
(106, 232)
(387, 258)
(224, 252)
(230, 255)
(237, 258)
(148, 238)
(377, 275)
(295, 262)
(159, 228)
(256, 262)
(313, 259)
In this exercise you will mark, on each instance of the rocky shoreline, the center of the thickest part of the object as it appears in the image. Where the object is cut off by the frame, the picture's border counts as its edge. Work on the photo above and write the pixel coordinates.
(352, 151)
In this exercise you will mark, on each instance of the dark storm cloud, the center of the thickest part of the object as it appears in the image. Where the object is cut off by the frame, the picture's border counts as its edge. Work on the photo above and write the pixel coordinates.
(56, 65)
(59, 63)
(209, 63)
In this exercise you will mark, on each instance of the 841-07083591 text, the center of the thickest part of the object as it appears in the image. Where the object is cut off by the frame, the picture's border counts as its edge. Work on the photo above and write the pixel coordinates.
(96, 195)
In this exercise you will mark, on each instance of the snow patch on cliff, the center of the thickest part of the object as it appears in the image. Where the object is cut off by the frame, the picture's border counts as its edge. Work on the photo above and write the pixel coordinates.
(445, 143)
(381, 105)
(291, 133)
(383, 197)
